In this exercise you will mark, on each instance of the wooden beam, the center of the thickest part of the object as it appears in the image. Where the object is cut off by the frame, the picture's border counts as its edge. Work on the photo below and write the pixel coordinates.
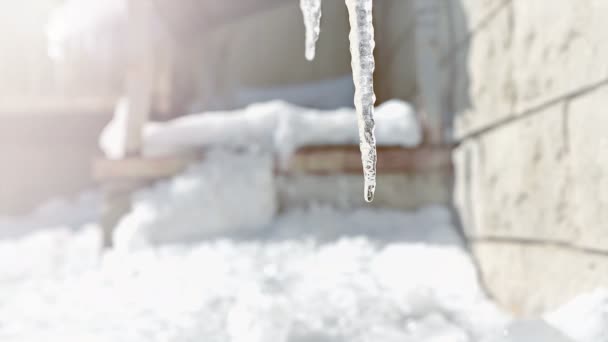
(311, 160)
(347, 159)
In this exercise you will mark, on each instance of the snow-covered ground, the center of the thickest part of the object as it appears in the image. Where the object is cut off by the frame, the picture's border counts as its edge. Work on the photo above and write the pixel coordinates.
(313, 274)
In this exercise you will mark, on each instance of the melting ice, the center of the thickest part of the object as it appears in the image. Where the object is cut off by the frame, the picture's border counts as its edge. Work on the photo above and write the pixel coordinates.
(311, 10)
(362, 51)
(363, 64)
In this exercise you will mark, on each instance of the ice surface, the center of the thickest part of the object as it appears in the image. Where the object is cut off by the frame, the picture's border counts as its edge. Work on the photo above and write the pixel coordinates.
(273, 126)
(362, 51)
(311, 11)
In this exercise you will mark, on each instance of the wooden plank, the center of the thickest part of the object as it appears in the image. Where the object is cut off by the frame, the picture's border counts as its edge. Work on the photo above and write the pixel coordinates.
(347, 159)
(311, 160)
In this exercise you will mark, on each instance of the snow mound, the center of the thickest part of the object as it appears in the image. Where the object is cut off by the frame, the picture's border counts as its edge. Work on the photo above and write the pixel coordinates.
(234, 192)
(273, 126)
(228, 193)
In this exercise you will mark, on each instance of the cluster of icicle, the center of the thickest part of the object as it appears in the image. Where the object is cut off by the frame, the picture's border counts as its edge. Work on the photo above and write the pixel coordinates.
(362, 51)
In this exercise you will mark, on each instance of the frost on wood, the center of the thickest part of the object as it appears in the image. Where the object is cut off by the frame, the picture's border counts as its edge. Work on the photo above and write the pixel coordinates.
(311, 10)
(362, 51)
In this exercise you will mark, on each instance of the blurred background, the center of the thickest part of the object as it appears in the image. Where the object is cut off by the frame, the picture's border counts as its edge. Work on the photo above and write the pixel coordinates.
(67, 65)
(177, 168)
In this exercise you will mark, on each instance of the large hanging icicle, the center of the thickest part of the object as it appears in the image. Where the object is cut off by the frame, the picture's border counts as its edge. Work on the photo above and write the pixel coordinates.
(362, 50)
(311, 11)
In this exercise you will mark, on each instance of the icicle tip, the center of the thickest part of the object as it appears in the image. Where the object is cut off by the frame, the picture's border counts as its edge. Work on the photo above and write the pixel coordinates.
(369, 193)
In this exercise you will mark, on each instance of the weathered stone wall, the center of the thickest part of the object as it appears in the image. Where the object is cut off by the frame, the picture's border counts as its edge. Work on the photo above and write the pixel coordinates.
(532, 164)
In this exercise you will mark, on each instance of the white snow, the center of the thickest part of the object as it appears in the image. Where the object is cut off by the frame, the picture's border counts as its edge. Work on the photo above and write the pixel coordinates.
(362, 54)
(308, 274)
(316, 274)
(289, 284)
(273, 126)
(311, 11)
(201, 202)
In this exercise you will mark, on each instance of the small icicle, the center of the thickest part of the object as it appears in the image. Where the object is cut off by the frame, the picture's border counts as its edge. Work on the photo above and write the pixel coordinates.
(311, 11)
(362, 51)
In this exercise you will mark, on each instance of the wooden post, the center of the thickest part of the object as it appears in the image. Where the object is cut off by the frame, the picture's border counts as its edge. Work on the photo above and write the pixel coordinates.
(140, 71)
(139, 85)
